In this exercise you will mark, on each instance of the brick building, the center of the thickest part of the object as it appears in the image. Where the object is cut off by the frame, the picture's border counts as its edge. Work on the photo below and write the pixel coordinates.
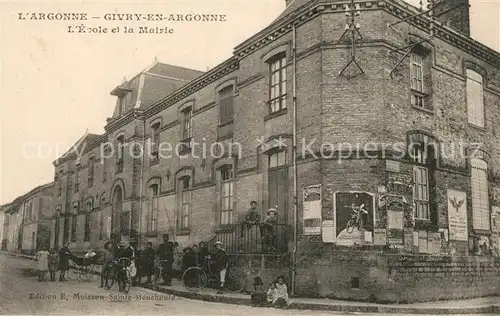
(37, 214)
(409, 141)
(96, 194)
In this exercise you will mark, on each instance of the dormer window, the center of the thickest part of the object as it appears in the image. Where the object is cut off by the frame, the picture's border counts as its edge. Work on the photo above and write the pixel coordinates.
(121, 105)
(123, 94)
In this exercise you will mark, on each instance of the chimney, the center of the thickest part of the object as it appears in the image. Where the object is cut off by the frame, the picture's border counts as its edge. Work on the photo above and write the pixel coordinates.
(455, 14)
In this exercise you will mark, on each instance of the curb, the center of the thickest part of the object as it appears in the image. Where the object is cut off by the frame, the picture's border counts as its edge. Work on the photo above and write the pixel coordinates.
(214, 298)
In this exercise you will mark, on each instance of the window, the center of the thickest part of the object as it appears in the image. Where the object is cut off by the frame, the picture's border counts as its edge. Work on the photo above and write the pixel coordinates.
(185, 202)
(480, 198)
(226, 104)
(153, 212)
(417, 80)
(277, 83)
(125, 223)
(73, 227)
(77, 181)
(122, 103)
(278, 181)
(104, 171)
(59, 189)
(475, 99)
(186, 131)
(421, 192)
(87, 222)
(277, 159)
(91, 172)
(186, 123)
(155, 139)
(121, 152)
(66, 229)
(226, 182)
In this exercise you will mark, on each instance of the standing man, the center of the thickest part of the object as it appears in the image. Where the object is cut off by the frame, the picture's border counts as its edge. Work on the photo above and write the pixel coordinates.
(166, 253)
(147, 264)
(252, 218)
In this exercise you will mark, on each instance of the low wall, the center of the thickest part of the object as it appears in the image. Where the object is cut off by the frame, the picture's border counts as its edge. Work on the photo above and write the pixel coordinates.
(266, 266)
(382, 277)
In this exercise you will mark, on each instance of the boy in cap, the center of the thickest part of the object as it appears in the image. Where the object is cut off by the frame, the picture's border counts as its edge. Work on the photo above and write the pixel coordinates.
(220, 265)
(252, 218)
(268, 229)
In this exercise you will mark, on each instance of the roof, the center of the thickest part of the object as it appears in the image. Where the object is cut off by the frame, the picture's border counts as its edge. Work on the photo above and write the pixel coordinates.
(292, 7)
(38, 189)
(83, 141)
(175, 72)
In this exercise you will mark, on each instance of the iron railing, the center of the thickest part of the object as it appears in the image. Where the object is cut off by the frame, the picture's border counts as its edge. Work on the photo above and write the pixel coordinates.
(243, 239)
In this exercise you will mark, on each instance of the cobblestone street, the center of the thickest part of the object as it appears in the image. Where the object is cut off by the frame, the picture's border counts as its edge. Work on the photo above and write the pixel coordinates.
(18, 295)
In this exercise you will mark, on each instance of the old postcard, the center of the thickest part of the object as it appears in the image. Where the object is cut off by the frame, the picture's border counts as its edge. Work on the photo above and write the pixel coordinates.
(283, 157)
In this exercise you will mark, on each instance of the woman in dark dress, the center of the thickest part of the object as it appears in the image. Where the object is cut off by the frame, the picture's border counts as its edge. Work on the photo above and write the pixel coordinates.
(64, 255)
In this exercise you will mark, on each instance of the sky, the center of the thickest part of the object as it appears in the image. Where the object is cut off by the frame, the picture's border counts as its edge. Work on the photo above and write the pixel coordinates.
(56, 85)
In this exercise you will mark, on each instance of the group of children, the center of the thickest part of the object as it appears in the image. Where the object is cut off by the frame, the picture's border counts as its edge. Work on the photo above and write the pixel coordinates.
(276, 295)
(47, 261)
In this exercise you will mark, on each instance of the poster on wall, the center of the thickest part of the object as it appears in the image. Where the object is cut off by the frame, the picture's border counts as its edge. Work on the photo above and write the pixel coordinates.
(312, 210)
(354, 215)
(380, 236)
(457, 215)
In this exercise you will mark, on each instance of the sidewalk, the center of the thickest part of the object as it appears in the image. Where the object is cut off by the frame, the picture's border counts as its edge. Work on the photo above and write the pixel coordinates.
(489, 305)
(486, 305)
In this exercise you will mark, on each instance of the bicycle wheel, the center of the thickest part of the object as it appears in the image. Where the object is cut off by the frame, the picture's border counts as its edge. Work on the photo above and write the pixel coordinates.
(194, 278)
(109, 280)
(156, 277)
(236, 280)
(128, 283)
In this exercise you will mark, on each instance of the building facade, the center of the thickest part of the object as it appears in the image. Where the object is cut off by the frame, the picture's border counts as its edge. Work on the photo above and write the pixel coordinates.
(38, 212)
(97, 186)
(379, 154)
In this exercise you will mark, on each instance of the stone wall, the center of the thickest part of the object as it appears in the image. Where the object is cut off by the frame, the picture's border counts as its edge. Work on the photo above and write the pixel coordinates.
(382, 277)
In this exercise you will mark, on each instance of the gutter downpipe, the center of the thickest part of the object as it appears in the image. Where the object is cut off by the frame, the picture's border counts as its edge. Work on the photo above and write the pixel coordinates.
(294, 157)
(141, 187)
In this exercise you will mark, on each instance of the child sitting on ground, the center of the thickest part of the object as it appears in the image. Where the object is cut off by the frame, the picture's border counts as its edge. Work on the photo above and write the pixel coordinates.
(271, 293)
(280, 294)
(258, 297)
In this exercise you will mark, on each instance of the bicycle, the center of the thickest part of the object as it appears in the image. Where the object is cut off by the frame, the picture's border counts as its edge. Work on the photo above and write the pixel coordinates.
(120, 268)
(158, 271)
(197, 277)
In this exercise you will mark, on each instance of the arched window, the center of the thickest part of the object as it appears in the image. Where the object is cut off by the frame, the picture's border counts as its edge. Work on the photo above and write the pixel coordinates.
(185, 202)
(277, 82)
(153, 211)
(155, 140)
(480, 196)
(88, 212)
(74, 218)
(121, 153)
(91, 172)
(226, 194)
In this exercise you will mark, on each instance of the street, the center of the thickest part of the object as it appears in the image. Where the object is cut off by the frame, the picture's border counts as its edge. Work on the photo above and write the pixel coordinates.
(23, 294)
